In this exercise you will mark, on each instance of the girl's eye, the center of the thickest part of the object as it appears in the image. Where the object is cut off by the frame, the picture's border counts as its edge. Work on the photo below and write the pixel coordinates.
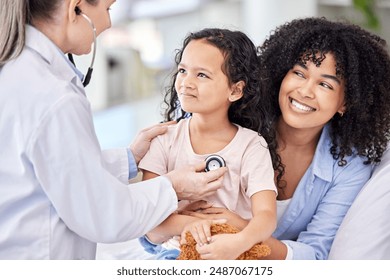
(202, 75)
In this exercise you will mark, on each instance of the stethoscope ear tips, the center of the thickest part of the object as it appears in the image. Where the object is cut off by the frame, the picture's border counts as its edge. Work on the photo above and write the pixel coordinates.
(214, 162)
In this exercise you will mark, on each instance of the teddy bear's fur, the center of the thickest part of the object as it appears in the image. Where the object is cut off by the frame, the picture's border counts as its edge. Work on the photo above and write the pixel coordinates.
(188, 251)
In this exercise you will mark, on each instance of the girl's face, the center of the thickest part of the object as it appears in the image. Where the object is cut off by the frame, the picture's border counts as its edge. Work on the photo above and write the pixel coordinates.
(201, 85)
(310, 96)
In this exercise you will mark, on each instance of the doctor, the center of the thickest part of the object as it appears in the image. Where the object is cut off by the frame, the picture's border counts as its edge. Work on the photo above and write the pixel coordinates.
(59, 193)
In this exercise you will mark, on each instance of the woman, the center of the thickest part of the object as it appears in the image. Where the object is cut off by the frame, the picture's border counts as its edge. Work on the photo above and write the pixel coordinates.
(330, 87)
(60, 194)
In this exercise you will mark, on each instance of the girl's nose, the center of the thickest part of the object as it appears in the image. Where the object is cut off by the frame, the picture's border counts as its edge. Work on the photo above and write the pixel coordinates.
(187, 81)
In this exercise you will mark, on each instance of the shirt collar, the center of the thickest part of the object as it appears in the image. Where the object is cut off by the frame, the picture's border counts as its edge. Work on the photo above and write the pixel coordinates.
(77, 71)
(323, 160)
(42, 45)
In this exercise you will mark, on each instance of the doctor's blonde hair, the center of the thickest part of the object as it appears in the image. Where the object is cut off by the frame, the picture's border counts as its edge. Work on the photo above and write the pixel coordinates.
(14, 15)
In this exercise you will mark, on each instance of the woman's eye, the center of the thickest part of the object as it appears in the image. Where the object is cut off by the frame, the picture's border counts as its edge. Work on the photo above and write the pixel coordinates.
(325, 85)
(299, 74)
(181, 70)
(202, 75)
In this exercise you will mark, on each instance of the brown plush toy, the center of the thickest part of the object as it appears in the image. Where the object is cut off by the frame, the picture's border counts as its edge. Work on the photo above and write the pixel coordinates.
(188, 251)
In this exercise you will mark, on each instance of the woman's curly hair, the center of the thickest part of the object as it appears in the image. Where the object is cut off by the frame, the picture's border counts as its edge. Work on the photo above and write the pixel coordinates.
(362, 60)
(241, 64)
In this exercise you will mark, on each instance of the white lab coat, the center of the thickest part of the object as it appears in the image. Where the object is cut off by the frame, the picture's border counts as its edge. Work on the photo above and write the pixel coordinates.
(59, 194)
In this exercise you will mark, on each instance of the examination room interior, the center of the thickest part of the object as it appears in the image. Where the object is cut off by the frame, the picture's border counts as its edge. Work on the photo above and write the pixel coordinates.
(135, 58)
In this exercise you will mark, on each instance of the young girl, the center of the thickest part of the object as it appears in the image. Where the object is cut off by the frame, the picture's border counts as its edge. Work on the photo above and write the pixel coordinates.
(217, 82)
(329, 82)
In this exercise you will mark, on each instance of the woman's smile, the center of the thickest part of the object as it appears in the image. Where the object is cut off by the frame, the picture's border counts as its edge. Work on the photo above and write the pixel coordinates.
(300, 106)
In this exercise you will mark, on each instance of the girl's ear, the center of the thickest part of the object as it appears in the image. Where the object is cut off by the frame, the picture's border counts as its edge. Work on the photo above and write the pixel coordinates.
(237, 91)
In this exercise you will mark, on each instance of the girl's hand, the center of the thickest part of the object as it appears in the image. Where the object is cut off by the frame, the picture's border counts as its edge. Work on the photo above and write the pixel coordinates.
(222, 247)
(200, 230)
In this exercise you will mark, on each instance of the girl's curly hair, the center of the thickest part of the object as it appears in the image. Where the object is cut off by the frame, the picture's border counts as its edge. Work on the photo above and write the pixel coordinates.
(241, 64)
(362, 60)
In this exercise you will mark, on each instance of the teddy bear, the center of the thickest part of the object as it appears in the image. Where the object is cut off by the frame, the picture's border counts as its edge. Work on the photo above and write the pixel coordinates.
(188, 251)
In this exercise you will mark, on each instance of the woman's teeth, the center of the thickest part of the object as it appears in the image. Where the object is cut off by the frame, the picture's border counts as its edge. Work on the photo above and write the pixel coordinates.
(301, 106)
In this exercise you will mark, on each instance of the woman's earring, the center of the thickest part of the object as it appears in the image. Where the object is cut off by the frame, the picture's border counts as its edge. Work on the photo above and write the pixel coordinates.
(341, 114)
(232, 98)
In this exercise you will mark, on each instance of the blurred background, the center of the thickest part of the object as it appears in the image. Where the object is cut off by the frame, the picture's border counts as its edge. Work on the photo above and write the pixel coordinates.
(135, 57)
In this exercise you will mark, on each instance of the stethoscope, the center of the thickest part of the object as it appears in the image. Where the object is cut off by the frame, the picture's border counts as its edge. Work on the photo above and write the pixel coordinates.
(214, 162)
(87, 77)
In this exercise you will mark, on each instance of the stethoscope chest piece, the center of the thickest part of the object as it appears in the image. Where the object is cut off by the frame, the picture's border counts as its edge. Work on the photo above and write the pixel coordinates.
(214, 162)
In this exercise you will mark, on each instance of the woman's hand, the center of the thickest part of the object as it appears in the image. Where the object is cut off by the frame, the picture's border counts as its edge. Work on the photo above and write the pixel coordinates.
(195, 206)
(141, 144)
(203, 210)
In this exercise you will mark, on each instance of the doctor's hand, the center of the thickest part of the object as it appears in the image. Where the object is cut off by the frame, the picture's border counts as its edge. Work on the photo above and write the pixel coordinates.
(192, 183)
(141, 144)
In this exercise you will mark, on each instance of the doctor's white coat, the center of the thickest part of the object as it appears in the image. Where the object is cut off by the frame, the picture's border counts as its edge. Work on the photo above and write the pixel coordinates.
(59, 194)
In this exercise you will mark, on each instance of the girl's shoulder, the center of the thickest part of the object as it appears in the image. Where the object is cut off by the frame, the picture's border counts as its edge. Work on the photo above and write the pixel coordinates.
(250, 135)
(175, 131)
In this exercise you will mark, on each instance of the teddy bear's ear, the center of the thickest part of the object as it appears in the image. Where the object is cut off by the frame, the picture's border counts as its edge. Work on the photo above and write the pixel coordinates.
(188, 250)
